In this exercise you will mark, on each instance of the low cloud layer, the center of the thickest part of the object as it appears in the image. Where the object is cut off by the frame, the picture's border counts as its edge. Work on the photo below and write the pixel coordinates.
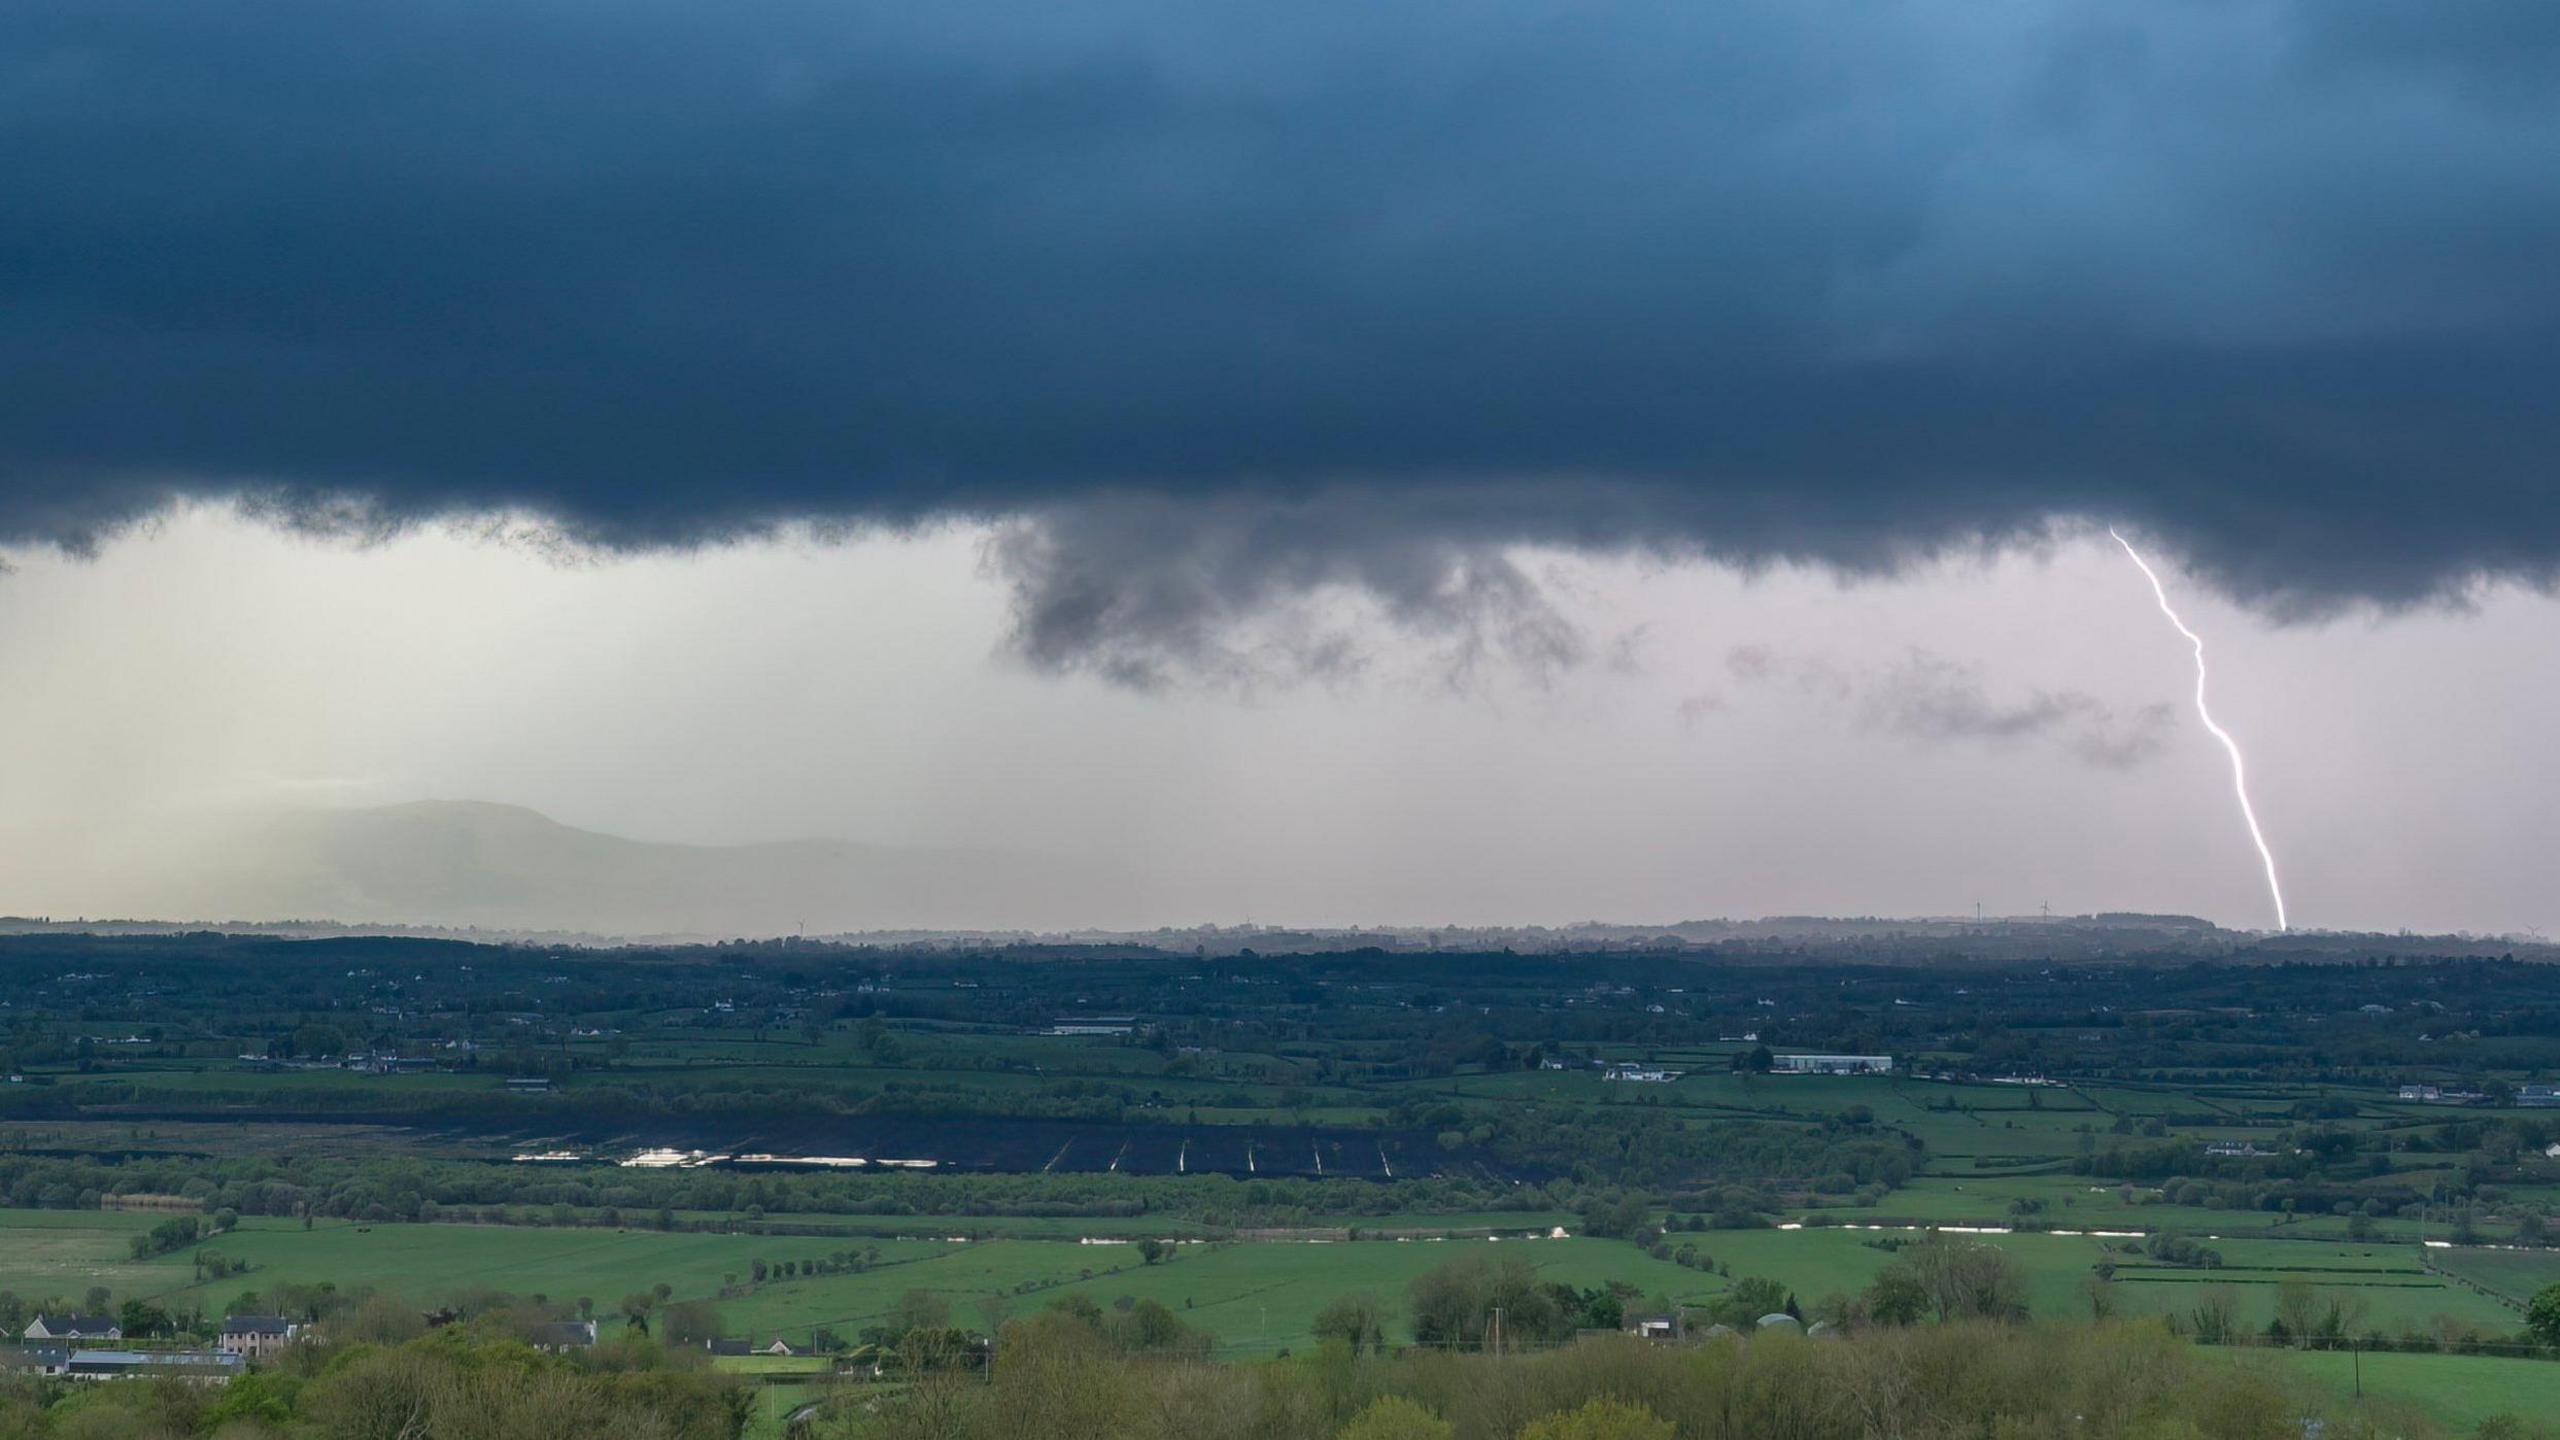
(1928, 697)
(1144, 591)
(1217, 304)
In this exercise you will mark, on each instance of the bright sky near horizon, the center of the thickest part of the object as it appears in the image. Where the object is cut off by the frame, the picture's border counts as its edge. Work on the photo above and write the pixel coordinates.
(2013, 731)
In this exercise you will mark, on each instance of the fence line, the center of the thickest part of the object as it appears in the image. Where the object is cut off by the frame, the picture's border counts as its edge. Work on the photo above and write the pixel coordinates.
(2502, 1349)
(2427, 1258)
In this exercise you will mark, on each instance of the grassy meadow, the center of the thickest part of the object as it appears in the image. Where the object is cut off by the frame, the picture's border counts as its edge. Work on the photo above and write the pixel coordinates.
(1251, 1297)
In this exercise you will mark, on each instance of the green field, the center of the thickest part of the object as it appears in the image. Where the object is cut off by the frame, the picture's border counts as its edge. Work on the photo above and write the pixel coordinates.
(2397, 1292)
(64, 1252)
(1960, 1123)
(2076, 1202)
(1257, 1299)
(420, 1262)
(773, 1366)
(2517, 1274)
(2457, 1391)
(1252, 1297)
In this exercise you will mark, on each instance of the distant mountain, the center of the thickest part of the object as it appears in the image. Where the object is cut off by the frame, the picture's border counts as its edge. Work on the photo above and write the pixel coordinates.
(502, 867)
(505, 871)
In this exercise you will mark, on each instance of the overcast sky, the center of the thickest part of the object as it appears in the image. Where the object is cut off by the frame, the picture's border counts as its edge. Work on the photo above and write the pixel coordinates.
(2015, 732)
(1309, 453)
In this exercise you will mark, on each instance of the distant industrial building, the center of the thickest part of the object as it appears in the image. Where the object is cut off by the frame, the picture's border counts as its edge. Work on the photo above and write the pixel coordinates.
(1095, 1025)
(209, 1367)
(2538, 1095)
(1644, 1074)
(1831, 1064)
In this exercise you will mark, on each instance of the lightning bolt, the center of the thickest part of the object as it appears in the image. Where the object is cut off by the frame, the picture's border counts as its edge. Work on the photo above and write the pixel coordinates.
(2239, 770)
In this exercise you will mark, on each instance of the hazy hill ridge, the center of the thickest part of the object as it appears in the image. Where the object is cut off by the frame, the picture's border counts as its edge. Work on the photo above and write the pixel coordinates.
(469, 863)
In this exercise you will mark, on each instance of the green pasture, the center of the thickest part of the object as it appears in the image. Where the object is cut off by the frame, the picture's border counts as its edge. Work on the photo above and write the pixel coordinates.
(2518, 1274)
(421, 1262)
(1264, 1293)
(44, 1253)
(2126, 1100)
(2069, 1201)
(773, 1365)
(2005, 1122)
(2457, 1391)
(214, 1077)
(2398, 1294)
(2079, 1202)
(858, 1228)
(1253, 1298)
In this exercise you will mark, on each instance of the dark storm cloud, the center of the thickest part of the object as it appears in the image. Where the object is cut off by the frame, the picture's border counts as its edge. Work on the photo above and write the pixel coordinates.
(1325, 293)
(1142, 591)
(1929, 697)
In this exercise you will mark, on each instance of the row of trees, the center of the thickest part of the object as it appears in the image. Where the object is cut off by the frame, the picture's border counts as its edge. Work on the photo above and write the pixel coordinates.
(181, 1231)
(1970, 1379)
(373, 1189)
(462, 1382)
(1497, 1301)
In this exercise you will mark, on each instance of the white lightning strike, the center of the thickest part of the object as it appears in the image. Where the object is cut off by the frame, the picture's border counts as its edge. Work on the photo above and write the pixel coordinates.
(2239, 772)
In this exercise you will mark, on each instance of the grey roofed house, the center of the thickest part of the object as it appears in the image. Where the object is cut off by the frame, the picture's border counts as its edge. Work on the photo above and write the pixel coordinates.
(74, 1327)
(256, 1325)
(34, 1359)
(1654, 1325)
(558, 1335)
(725, 1345)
